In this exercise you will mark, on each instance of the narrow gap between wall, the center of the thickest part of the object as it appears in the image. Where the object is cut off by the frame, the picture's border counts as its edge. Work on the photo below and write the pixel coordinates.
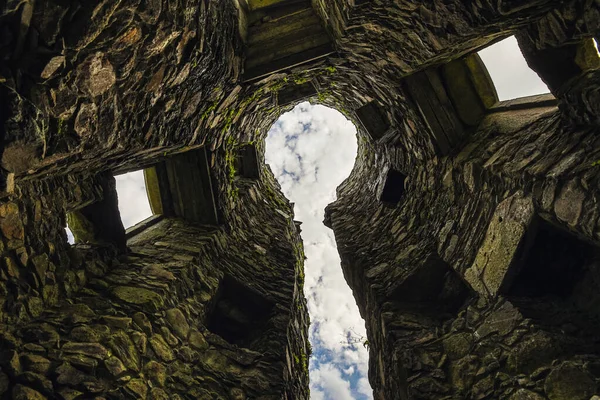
(70, 237)
(311, 150)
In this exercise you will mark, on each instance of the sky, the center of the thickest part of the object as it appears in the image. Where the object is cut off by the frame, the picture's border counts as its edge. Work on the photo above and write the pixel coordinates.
(133, 200)
(509, 71)
(311, 150)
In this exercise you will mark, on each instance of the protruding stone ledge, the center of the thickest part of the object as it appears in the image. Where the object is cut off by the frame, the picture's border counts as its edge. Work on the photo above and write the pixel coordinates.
(523, 103)
(143, 225)
(294, 93)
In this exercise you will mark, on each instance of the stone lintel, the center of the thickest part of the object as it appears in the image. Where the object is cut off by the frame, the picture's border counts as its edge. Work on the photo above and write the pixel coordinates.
(293, 93)
(293, 60)
(523, 103)
(498, 260)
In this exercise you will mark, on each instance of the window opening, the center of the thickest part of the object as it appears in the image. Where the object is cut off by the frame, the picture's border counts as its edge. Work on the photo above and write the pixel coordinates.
(374, 119)
(181, 186)
(435, 287)
(393, 188)
(133, 199)
(240, 315)
(280, 35)
(310, 150)
(509, 71)
(70, 237)
(558, 269)
(247, 162)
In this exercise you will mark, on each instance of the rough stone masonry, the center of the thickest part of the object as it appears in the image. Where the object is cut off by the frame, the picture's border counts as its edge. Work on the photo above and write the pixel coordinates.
(469, 229)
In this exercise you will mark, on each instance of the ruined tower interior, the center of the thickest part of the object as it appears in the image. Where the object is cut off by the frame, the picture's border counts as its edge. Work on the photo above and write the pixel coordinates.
(469, 228)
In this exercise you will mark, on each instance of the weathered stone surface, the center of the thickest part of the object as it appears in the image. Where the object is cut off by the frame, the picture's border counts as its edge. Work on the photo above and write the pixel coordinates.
(495, 263)
(11, 225)
(161, 348)
(524, 394)
(139, 296)
(569, 204)
(569, 381)
(156, 372)
(91, 90)
(36, 363)
(114, 366)
(21, 392)
(94, 350)
(197, 340)
(96, 74)
(178, 323)
(122, 346)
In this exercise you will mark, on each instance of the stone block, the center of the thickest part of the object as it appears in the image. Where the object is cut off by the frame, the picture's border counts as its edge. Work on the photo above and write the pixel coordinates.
(497, 261)
(569, 382)
(11, 225)
(569, 204)
(463, 78)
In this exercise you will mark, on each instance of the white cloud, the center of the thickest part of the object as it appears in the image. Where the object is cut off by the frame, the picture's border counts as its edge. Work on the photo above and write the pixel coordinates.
(509, 71)
(311, 150)
(364, 387)
(328, 380)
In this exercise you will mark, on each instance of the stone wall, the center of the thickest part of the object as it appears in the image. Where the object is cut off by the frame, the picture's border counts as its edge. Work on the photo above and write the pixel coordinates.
(437, 288)
(162, 320)
(445, 277)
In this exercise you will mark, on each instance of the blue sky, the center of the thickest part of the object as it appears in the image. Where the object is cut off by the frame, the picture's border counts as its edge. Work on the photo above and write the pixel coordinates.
(311, 150)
